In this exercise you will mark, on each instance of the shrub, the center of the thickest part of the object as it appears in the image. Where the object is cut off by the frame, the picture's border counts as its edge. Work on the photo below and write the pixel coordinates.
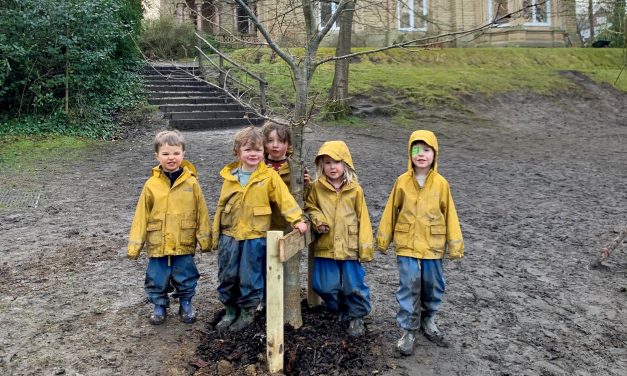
(163, 38)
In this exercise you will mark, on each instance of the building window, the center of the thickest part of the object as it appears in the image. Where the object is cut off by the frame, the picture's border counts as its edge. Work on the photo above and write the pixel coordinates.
(537, 12)
(412, 14)
(244, 24)
(497, 9)
(326, 9)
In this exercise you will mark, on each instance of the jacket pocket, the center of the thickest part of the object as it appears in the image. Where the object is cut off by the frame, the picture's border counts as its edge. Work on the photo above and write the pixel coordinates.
(188, 232)
(437, 237)
(353, 238)
(402, 237)
(154, 233)
(225, 217)
(261, 218)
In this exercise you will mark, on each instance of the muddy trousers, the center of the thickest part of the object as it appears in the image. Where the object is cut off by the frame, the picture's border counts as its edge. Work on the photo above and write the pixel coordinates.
(341, 285)
(241, 271)
(179, 272)
(420, 291)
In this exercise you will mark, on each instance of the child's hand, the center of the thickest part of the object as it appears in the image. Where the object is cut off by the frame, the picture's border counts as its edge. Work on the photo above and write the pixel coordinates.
(301, 227)
(306, 177)
(322, 229)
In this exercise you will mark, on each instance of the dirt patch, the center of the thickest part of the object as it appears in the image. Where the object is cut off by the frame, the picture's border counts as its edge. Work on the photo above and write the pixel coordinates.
(540, 185)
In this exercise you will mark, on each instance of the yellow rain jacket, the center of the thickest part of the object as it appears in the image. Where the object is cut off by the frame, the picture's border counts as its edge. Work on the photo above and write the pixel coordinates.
(171, 221)
(422, 221)
(277, 221)
(245, 212)
(345, 212)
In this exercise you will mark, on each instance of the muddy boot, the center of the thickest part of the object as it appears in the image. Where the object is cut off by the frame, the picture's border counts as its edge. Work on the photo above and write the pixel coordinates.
(186, 312)
(158, 315)
(431, 331)
(246, 317)
(356, 327)
(228, 318)
(405, 344)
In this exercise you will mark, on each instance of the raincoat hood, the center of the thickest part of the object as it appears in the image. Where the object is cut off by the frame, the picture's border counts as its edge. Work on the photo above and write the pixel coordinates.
(427, 137)
(338, 151)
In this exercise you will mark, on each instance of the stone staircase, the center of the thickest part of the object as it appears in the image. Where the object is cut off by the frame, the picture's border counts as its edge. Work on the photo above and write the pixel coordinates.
(190, 104)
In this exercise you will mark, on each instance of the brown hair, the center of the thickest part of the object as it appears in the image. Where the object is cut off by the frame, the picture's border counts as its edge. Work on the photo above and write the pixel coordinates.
(282, 130)
(172, 138)
(248, 135)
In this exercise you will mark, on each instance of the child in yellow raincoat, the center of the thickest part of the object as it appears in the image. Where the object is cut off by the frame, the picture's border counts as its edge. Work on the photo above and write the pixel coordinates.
(338, 212)
(242, 218)
(420, 218)
(171, 218)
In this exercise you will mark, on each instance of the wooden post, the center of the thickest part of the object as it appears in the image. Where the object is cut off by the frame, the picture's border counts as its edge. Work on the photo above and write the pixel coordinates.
(312, 298)
(222, 78)
(274, 303)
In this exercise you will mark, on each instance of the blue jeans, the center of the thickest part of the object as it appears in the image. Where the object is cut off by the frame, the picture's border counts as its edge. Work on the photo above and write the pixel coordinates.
(181, 273)
(241, 272)
(340, 283)
(420, 291)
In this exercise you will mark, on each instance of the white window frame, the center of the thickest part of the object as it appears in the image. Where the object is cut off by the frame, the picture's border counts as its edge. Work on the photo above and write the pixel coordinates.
(335, 26)
(412, 21)
(491, 13)
(534, 9)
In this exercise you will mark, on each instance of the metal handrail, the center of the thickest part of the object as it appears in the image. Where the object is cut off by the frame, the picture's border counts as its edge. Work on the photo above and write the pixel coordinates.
(223, 73)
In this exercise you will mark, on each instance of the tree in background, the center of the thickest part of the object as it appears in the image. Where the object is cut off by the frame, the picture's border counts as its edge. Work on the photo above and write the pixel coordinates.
(73, 61)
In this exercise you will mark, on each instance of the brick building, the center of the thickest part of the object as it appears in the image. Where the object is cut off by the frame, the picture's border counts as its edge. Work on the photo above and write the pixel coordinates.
(533, 23)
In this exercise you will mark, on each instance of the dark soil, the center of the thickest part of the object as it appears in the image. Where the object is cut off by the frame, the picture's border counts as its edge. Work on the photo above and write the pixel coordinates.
(540, 185)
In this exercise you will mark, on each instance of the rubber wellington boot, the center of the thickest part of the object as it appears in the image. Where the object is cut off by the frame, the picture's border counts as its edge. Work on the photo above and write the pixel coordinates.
(186, 312)
(228, 318)
(405, 344)
(158, 315)
(431, 331)
(246, 317)
(356, 327)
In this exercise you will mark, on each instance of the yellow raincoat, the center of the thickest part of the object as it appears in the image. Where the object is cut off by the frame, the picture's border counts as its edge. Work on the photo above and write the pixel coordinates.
(171, 221)
(245, 212)
(422, 221)
(277, 221)
(345, 212)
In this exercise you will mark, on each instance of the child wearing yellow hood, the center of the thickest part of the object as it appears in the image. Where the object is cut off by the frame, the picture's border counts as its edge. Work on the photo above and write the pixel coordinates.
(338, 213)
(420, 218)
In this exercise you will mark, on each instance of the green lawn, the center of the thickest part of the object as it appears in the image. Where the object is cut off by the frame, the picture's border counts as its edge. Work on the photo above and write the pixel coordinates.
(438, 76)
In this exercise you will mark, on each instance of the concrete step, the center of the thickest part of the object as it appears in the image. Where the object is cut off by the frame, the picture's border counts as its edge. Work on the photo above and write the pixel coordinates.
(161, 81)
(200, 107)
(187, 100)
(171, 70)
(187, 94)
(206, 115)
(206, 124)
(181, 88)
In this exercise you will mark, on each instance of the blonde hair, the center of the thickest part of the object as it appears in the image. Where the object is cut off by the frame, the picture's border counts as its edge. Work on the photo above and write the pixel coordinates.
(282, 130)
(349, 173)
(172, 138)
(248, 135)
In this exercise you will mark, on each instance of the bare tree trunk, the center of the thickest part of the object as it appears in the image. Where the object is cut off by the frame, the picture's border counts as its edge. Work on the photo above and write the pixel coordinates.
(338, 95)
(591, 18)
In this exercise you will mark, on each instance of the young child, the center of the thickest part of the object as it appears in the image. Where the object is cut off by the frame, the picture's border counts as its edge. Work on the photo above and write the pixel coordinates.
(171, 217)
(240, 224)
(338, 212)
(277, 142)
(421, 219)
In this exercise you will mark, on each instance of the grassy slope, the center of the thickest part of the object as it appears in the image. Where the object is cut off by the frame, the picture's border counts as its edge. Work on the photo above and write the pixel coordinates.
(436, 76)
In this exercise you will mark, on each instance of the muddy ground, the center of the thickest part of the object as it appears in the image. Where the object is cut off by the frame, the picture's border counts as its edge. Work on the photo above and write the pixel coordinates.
(540, 185)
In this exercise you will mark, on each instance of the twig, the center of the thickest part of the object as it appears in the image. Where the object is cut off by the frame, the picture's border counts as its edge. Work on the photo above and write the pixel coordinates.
(609, 247)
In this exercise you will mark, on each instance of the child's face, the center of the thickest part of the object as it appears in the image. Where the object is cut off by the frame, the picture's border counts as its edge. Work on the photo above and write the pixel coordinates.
(170, 157)
(333, 170)
(275, 148)
(250, 155)
(422, 156)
